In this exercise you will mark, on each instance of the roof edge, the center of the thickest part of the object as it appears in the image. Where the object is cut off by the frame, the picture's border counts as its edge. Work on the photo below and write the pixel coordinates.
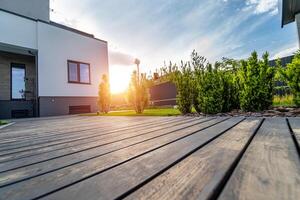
(56, 25)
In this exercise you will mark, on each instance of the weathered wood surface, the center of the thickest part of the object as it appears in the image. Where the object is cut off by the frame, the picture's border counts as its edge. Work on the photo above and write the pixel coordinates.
(150, 158)
(197, 176)
(295, 126)
(270, 168)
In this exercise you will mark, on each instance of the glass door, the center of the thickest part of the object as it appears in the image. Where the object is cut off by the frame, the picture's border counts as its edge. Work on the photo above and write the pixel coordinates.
(18, 85)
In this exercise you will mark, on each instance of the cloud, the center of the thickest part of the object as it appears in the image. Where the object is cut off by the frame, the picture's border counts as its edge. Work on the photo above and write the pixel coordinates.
(119, 58)
(263, 6)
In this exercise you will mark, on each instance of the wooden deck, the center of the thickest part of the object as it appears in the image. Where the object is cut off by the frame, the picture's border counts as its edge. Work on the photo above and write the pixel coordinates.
(150, 158)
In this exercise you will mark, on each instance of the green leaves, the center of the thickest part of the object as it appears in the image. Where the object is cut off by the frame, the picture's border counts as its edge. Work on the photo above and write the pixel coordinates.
(224, 86)
(291, 75)
(256, 83)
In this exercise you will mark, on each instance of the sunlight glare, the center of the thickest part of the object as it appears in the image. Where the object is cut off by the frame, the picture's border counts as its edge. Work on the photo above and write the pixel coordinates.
(119, 78)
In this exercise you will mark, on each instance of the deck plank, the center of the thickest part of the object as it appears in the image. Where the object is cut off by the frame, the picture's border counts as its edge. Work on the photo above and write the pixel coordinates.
(115, 182)
(76, 145)
(52, 129)
(73, 132)
(92, 136)
(295, 126)
(81, 135)
(84, 155)
(197, 176)
(57, 179)
(270, 168)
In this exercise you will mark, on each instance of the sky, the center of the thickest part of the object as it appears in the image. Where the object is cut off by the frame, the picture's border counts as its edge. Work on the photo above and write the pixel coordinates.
(158, 31)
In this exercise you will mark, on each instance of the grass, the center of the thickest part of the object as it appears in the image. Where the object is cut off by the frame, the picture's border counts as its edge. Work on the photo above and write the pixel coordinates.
(286, 100)
(147, 112)
(3, 122)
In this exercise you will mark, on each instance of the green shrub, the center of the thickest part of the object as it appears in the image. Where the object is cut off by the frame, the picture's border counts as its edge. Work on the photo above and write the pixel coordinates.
(104, 95)
(215, 87)
(210, 91)
(183, 79)
(256, 79)
(292, 76)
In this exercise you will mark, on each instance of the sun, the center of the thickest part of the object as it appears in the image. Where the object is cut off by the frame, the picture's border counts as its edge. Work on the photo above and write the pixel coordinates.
(119, 78)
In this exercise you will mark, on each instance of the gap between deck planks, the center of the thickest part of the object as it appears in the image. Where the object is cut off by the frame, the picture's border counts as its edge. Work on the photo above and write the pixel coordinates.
(70, 175)
(270, 168)
(109, 144)
(146, 165)
(83, 135)
(198, 176)
(86, 144)
(73, 133)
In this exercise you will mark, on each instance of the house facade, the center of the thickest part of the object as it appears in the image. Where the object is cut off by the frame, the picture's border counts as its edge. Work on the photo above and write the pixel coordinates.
(290, 10)
(46, 69)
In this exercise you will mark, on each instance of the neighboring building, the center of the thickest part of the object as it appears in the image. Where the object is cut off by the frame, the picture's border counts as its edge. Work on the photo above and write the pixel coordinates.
(46, 68)
(163, 94)
(284, 61)
(291, 13)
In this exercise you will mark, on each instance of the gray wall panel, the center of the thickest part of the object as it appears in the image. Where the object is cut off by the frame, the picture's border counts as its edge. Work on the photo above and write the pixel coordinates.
(52, 106)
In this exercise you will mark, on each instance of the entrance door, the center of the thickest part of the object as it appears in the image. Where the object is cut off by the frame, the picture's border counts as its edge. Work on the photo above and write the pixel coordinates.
(22, 105)
(18, 84)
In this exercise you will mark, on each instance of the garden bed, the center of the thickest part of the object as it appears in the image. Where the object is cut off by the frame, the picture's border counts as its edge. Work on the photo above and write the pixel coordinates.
(273, 112)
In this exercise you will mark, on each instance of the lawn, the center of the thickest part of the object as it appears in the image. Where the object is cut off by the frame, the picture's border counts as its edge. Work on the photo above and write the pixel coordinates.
(2, 122)
(147, 112)
(286, 100)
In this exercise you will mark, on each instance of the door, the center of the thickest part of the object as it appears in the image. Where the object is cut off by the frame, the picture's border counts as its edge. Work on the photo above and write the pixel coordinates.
(21, 106)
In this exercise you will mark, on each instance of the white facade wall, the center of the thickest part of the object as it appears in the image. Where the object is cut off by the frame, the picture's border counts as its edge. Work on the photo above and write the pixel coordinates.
(18, 31)
(55, 47)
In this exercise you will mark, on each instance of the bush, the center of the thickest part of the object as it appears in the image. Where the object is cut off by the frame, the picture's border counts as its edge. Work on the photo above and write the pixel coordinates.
(216, 89)
(256, 79)
(183, 79)
(292, 76)
(104, 95)
(210, 91)
(138, 94)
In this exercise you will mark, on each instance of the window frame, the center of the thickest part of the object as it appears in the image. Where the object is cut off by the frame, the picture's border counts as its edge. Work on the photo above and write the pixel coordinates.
(78, 72)
(17, 66)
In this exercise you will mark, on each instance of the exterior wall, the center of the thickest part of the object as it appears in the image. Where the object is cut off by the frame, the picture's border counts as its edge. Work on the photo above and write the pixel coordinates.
(297, 17)
(52, 106)
(17, 31)
(56, 46)
(37, 9)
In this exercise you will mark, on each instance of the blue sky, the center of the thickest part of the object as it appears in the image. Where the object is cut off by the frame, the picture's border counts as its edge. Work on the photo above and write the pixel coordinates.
(161, 30)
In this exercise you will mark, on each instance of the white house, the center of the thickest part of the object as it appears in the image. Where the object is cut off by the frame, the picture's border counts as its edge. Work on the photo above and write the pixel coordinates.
(46, 68)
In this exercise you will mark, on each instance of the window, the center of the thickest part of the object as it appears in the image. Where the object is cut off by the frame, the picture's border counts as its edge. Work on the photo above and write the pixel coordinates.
(18, 81)
(79, 72)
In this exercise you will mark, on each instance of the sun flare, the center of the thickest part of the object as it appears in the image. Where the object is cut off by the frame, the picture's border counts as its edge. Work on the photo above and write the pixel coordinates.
(119, 78)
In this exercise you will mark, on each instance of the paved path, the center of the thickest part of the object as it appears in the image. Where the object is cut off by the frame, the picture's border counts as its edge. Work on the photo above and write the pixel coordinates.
(150, 158)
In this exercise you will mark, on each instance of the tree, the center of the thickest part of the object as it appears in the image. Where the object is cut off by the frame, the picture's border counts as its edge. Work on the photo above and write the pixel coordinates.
(138, 94)
(104, 95)
(291, 74)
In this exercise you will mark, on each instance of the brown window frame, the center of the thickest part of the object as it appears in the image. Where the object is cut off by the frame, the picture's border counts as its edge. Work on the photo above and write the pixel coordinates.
(78, 72)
